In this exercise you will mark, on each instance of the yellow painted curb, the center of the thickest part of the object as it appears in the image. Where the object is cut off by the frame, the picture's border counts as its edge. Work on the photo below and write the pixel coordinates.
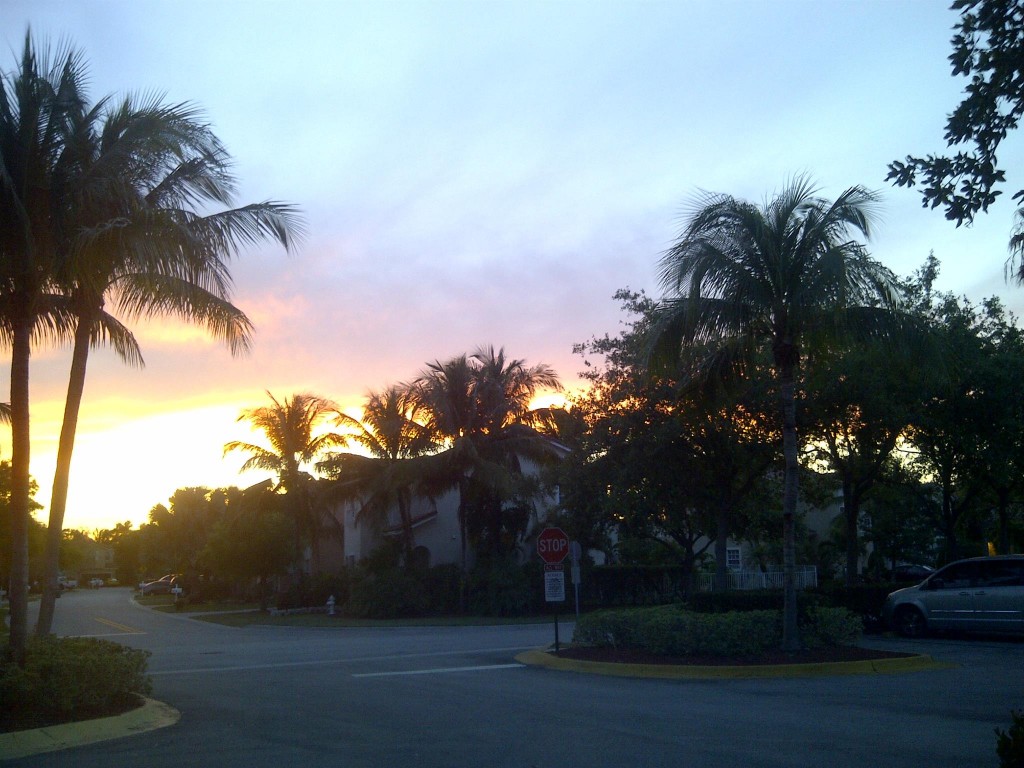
(150, 716)
(679, 672)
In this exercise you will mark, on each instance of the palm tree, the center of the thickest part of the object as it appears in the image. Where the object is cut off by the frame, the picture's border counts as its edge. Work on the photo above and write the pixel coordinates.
(389, 432)
(35, 101)
(479, 406)
(137, 244)
(291, 427)
(780, 278)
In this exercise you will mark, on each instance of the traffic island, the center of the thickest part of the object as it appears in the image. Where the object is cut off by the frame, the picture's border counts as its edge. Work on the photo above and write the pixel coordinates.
(914, 663)
(36, 741)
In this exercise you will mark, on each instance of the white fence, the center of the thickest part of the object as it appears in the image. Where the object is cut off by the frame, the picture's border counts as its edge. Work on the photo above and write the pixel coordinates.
(806, 576)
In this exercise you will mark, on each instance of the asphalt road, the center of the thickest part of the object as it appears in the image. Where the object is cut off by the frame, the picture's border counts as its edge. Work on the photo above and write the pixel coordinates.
(455, 697)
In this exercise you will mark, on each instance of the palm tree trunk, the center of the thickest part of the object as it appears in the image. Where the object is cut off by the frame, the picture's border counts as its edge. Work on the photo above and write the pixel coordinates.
(62, 477)
(20, 490)
(790, 494)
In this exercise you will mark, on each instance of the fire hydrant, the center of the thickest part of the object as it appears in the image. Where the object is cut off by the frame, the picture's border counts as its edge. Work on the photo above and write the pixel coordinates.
(330, 605)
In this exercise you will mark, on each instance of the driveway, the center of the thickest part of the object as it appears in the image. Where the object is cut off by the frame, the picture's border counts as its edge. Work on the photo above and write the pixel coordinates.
(455, 697)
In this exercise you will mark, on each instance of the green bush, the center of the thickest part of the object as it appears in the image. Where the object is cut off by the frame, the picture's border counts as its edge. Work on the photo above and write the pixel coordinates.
(313, 591)
(829, 627)
(672, 630)
(387, 594)
(71, 678)
(750, 600)
(441, 584)
(503, 589)
(616, 627)
(1010, 743)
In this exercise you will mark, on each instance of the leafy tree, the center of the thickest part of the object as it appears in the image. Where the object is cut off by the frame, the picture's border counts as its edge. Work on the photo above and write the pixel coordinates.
(1001, 444)
(176, 535)
(36, 531)
(900, 519)
(947, 432)
(126, 543)
(672, 467)
(860, 402)
(988, 49)
(292, 428)
(75, 549)
(780, 279)
(252, 540)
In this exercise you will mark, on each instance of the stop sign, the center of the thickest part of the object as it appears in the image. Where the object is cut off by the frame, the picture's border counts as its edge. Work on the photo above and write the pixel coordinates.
(552, 545)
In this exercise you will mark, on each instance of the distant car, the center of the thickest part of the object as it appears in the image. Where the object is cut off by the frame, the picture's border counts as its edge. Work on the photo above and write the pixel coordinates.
(96, 583)
(911, 574)
(66, 583)
(161, 586)
(981, 594)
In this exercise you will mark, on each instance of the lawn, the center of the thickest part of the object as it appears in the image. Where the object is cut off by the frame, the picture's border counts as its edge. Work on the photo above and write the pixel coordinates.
(248, 618)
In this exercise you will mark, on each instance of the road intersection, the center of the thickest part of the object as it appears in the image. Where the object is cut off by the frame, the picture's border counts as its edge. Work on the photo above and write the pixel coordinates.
(455, 696)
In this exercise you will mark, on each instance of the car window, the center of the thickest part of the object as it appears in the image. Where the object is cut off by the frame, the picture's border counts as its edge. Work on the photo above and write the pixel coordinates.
(958, 576)
(1003, 573)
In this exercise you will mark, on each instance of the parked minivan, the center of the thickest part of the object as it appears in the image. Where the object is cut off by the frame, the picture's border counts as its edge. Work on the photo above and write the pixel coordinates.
(981, 594)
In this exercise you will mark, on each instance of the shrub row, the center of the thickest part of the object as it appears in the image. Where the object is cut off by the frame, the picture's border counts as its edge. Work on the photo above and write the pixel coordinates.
(391, 591)
(71, 678)
(673, 630)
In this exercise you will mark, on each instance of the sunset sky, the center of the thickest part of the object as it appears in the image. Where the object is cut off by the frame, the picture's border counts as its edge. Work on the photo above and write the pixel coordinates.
(478, 173)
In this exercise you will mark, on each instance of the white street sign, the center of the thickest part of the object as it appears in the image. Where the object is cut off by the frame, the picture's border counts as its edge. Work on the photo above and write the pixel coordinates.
(554, 586)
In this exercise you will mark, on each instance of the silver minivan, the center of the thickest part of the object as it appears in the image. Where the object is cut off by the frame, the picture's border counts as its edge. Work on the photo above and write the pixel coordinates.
(982, 594)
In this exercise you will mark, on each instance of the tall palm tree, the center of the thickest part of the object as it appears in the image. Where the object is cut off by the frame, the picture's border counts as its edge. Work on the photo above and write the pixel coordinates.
(292, 429)
(444, 396)
(389, 432)
(35, 100)
(479, 406)
(135, 242)
(782, 278)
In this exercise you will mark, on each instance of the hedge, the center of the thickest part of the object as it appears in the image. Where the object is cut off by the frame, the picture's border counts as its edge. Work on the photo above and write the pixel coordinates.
(71, 678)
(672, 630)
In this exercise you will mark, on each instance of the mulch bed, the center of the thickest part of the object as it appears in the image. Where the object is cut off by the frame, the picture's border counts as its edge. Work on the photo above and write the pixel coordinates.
(814, 656)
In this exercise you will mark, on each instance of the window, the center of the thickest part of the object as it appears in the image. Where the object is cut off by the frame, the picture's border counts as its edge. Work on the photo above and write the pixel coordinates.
(733, 560)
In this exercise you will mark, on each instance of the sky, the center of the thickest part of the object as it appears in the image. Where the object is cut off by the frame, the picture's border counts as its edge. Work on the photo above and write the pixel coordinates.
(479, 173)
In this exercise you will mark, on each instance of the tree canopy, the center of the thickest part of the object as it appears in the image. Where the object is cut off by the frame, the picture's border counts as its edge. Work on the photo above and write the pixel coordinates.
(988, 50)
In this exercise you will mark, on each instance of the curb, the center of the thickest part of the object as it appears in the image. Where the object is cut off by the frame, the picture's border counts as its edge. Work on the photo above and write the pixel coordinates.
(543, 658)
(149, 717)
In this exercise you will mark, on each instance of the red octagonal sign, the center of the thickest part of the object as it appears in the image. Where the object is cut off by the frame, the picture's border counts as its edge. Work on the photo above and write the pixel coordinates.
(552, 545)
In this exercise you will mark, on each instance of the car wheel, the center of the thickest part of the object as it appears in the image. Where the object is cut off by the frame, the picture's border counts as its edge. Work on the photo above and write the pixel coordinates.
(910, 622)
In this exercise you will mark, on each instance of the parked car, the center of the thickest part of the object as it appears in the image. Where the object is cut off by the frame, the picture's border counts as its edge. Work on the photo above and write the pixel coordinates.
(66, 583)
(161, 586)
(980, 594)
(96, 583)
(913, 574)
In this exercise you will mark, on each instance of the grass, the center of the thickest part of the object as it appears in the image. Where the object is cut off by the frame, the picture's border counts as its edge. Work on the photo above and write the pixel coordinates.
(235, 614)
(250, 618)
(168, 606)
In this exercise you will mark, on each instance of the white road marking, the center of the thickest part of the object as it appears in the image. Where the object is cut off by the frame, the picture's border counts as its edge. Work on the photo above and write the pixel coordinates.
(329, 662)
(440, 670)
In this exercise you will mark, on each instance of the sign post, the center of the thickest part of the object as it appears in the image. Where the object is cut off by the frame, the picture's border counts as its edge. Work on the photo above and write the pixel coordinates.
(553, 546)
